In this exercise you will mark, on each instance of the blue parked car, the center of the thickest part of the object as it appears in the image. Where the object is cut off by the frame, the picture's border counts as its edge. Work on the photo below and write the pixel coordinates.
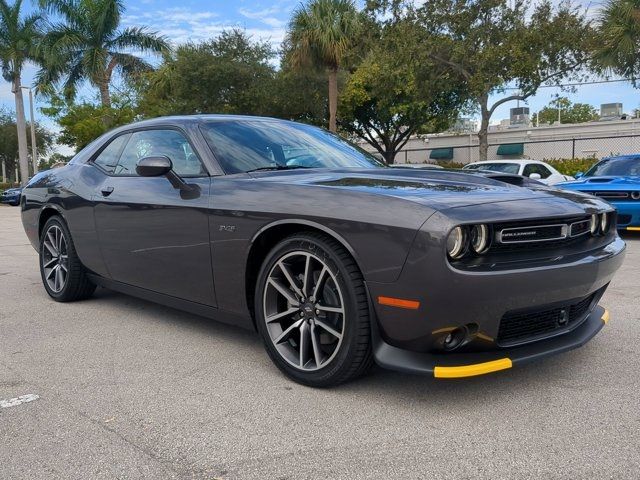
(617, 180)
(11, 196)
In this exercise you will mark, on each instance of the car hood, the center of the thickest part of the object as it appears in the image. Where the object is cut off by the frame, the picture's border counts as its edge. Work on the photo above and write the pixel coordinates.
(602, 183)
(433, 188)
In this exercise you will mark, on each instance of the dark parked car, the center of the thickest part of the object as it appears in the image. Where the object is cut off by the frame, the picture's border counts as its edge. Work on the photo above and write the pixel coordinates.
(11, 196)
(333, 258)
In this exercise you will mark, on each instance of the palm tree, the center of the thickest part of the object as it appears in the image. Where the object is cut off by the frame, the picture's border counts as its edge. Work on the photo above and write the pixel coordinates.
(89, 45)
(619, 50)
(18, 42)
(320, 34)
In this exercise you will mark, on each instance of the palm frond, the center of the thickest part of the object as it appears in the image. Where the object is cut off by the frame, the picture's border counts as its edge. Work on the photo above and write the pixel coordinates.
(323, 31)
(141, 39)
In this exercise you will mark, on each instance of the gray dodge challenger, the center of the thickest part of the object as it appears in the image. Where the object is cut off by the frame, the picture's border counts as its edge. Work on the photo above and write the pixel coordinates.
(336, 260)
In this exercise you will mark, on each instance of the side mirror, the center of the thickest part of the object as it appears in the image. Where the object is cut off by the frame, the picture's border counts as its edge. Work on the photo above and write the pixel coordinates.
(578, 175)
(154, 166)
(535, 176)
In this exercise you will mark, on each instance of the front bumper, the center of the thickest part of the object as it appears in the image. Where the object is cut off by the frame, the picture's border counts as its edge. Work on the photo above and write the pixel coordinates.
(443, 298)
(628, 215)
(10, 199)
(479, 363)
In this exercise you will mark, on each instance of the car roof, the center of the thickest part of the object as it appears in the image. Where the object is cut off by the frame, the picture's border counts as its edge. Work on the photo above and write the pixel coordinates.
(201, 118)
(635, 156)
(515, 160)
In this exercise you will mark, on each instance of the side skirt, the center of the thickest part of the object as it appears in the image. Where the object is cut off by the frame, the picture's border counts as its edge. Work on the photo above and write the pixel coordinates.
(207, 311)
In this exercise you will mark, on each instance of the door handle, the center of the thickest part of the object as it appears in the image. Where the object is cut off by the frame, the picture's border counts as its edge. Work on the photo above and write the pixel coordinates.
(106, 191)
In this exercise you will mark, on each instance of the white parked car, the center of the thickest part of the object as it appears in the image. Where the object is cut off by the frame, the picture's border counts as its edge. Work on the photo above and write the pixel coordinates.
(534, 169)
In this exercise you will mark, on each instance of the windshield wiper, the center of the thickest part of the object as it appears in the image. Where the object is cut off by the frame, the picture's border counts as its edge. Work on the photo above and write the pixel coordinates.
(277, 167)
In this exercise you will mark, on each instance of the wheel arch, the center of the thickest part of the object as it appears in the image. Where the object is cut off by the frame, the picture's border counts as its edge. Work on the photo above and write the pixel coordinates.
(46, 213)
(268, 237)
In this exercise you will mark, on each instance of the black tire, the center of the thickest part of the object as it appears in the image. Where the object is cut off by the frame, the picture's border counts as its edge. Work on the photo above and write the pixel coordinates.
(353, 356)
(77, 285)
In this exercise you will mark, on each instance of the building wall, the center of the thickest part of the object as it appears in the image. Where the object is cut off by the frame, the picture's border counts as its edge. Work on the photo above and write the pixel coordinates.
(593, 139)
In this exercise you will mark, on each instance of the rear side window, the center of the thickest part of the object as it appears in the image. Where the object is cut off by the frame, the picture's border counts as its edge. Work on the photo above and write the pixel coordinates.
(108, 158)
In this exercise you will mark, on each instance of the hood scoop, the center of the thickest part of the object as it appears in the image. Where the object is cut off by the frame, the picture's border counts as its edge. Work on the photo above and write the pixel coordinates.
(601, 180)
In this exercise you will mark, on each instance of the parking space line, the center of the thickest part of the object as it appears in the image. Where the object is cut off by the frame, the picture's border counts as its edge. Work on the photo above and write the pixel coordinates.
(14, 402)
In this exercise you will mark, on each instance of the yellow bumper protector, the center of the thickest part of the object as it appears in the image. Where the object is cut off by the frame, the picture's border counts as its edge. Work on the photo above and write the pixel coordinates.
(634, 229)
(605, 317)
(472, 370)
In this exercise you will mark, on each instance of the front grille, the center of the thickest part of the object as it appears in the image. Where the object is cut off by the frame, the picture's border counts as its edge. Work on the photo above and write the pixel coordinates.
(520, 327)
(617, 195)
(539, 234)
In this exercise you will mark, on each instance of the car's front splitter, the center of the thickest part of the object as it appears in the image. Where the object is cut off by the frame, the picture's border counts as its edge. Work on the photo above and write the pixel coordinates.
(478, 363)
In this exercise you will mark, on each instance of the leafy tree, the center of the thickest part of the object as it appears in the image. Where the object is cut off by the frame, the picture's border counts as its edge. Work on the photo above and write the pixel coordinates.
(321, 34)
(569, 112)
(495, 44)
(230, 74)
(81, 123)
(9, 140)
(89, 45)
(300, 94)
(619, 34)
(397, 91)
(54, 159)
(19, 37)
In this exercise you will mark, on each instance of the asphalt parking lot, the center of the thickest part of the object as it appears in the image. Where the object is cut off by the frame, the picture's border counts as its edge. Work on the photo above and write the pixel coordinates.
(123, 388)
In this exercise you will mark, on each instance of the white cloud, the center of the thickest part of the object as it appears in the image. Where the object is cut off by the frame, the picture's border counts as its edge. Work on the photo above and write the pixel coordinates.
(182, 25)
(265, 16)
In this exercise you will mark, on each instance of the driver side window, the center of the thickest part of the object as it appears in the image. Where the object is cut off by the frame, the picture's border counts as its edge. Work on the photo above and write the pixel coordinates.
(152, 143)
(536, 168)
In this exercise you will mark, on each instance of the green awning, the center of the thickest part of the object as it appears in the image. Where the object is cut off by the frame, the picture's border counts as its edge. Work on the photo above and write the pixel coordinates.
(441, 154)
(511, 149)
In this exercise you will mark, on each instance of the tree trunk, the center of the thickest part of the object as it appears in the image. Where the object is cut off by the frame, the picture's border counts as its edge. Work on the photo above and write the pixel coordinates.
(21, 124)
(333, 98)
(483, 133)
(105, 96)
(390, 156)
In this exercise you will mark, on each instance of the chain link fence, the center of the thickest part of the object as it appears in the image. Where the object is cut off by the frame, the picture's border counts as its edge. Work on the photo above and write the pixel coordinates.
(568, 148)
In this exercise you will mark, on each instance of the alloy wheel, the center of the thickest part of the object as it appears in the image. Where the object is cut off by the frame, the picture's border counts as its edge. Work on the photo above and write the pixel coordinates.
(55, 261)
(304, 310)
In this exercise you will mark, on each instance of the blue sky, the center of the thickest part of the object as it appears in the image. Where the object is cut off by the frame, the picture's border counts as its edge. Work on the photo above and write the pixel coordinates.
(195, 20)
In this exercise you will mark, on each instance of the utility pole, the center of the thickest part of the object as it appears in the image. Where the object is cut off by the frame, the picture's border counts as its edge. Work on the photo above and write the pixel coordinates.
(4, 172)
(34, 148)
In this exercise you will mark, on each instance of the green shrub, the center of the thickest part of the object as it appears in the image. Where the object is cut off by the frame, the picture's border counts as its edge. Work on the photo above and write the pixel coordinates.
(450, 164)
(6, 186)
(571, 166)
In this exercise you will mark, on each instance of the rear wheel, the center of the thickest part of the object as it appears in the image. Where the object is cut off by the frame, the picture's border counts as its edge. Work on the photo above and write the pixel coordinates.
(63, 275)
(312, 311)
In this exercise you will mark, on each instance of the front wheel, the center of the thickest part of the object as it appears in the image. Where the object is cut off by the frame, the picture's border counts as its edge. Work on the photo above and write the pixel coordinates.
(63, 275)
(312, 311)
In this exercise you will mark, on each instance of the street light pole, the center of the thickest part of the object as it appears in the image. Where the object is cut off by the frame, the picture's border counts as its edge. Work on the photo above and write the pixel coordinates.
(34, 148)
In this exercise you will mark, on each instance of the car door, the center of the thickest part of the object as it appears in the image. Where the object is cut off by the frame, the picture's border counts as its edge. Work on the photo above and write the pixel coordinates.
(153, 235)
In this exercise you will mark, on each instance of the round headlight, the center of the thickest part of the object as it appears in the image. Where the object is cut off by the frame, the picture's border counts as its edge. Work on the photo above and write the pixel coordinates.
(480, 238)
(595, 223)
(457, 242)
(604, 223)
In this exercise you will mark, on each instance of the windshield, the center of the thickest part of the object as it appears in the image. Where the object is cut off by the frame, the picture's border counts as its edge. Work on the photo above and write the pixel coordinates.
(243, 145)
(495, 167)
(615, 167)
